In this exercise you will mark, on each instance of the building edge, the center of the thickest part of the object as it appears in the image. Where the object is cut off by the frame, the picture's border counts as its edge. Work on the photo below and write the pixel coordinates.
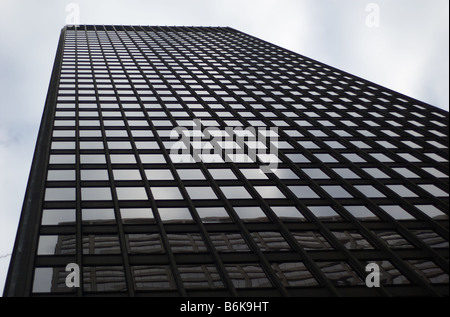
(19, 274)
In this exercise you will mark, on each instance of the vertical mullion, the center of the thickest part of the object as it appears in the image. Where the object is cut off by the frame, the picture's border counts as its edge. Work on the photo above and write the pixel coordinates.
(78, 221)
(122, 240)
(164, 238)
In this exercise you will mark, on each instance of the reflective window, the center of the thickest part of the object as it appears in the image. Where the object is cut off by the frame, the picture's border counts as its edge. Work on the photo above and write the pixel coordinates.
(369, 191)
(434, 190)
(288, 213)
(101, 244)
(186, 242)
(98, 216)
(104, 279)
(297, 158)
(159, 174)
(62, 159)
(200, 277)
(284, 173)
(94, 175)
(213, 214)
(44, 278)
(250, 214)
(222, 173)
(144, 243)
(201, 192)
(247, 275)
(56, 245)
(61, 175)
(126, 174)
(336, 191)
(393, 239)
(361, 212)
(311, 240)
(401, 190)
(152, 158)
(136, 215)
(96, 193)
(153, 277)
(345, 173)
(269, 192)
(304, 192)
(397, 212)
(59, 194)
(92, 159)
(235, 192)
(174, 215)
(352, 240)
(190, 174)
(294, 274)
(432, 211)
(229, 242)
(58, 216)
(340, 273)
(326, 213)
(253, 173)
(270, 241)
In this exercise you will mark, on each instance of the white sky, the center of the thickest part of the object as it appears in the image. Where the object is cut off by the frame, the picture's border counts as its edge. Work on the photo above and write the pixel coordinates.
(408, 52)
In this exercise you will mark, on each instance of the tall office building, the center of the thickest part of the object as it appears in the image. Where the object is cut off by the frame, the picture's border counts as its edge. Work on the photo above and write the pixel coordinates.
(194, 161)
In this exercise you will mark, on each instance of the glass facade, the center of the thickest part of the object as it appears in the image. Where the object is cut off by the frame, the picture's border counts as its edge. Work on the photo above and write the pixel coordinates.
(190, 161)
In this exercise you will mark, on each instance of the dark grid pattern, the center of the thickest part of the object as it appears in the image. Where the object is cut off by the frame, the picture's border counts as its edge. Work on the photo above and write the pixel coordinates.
(362, 174)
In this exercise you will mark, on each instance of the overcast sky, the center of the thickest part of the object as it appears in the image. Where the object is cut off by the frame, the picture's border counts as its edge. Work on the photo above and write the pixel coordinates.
(400, 44)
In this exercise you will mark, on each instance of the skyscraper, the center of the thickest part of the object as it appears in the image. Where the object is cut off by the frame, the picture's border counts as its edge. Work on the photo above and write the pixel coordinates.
(194, 161)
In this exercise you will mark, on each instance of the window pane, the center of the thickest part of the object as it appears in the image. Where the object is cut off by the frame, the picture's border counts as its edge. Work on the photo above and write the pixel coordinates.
(235, 192)
(248, 214)
(213, 214)
(166, 193)
(59, 194)
(201, 192)
(58, 216)
(96, 193)
(174, 215)
(303, 192)
(269, 192)
(131, 193)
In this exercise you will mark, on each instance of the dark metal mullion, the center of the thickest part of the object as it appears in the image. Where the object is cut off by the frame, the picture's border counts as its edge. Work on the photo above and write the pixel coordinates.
(122, 240)
(192, 209)
(164, 238)
(78, 217)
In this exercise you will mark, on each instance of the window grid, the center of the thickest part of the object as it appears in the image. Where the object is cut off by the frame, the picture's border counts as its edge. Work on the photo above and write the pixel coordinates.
(121, 90)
